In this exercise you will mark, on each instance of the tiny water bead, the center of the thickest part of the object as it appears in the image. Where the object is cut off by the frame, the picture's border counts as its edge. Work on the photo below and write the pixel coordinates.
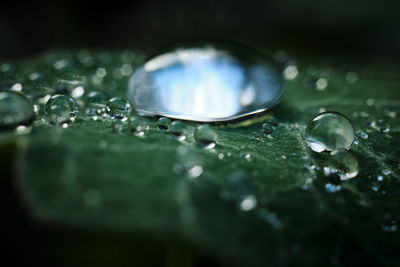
(329, 131)
(177, 129)
(96, 103)
(163, 123)
(61, 109)
(211, 82)
(205, 136)
(342, 163)
(15, 109)
(267, 128)
(118, 108)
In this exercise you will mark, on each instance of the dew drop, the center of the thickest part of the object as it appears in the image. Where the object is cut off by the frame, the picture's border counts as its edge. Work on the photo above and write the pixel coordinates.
(61, 109)
(321, 84)
(362, 135)
(195, 171)
(211, 82)
(248, 203)
(332, 188)
(177, 129)
(267, 128)
(329, 131)
(163, 123)
(15, 109)
(118, 108)
(389, 224)
(96, 103)
(290, 72)
(342, 163)
(205, 136)
(380, 125)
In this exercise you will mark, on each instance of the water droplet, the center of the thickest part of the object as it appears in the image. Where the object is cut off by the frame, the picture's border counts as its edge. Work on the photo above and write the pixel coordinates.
(389, 224)
(290, 72)
(379, 178)
(101, 72)
(22, 130)
(206, 83)
(206, 137)
(177, 129)
(246, 156)
(342, 163)
(329, 131)
(195, 171)
(321, 84)
(15, 109)
(61, 109)
(248, 203)
(118, 108)
(332, 188)
(381, 126)
(391, 114)
(163, 123)
(267, 128)
(221, 155)
(78, 92)
(68, 81)
(96, 103)
(362, 135)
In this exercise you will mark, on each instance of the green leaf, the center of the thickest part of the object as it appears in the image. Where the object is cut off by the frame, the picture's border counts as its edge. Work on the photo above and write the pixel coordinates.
(251, 200)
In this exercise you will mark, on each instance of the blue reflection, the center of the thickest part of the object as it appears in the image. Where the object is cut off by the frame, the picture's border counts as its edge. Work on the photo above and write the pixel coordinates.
(202, 84)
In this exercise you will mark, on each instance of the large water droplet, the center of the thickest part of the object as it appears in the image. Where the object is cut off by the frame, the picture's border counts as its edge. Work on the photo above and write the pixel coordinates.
(206, 83)
(61, 109)
(206, 137)
(342, 163)
(15, 109)
(329, 131)
(118, 108)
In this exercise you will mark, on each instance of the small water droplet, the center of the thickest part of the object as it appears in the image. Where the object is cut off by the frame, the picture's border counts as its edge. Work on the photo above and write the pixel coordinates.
(15, 109)
(101, 73)
(96, 103)
(391, 114)
(246, 156)
(195, 171)
(118, 108)
(206, 137)
(290, 72)
(22, 130)
(329, 131)
(61, 109)
(379, 178)
(321, 84)
(332, 188)
(381, 126)
(362, 135)
(163, 123)
(78, 92)
(248, 203)
(342, 163)
(267, 128)
(389, 224)
(177, 129)
(221, 155)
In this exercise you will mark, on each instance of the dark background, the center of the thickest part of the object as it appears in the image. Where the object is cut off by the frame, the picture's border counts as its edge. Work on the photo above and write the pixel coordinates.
(364, 28)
